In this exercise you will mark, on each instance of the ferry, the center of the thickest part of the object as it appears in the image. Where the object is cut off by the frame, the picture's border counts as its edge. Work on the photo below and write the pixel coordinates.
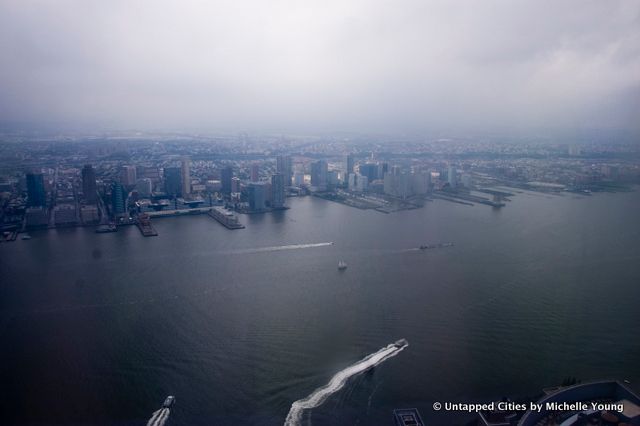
(169, 401)
(433, 246)
(342, 265)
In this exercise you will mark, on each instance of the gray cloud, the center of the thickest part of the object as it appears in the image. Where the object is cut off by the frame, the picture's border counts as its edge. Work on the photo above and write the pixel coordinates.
(333, 64)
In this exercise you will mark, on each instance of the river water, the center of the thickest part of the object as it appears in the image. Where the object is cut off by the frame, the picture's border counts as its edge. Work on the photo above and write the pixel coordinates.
(100, 328)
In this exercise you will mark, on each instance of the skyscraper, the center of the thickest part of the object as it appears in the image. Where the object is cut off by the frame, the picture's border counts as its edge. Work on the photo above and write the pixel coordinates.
(257, 196)
(298, 178)
(420, 181)
(89, 184)
(118, 199)
(255, 172)
(235, 184)
(352, 182)
(277, 190)
(35, 190)
(370, 170)
(128, 176)
(362, 183)
(144, 187)
(452, 176)
(284, 167)
(350, 161)
(173, 181)
(186, 177)
(226, 175)
(319, 171)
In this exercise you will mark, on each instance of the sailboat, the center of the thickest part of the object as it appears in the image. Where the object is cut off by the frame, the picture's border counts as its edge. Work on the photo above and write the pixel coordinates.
(342, 265)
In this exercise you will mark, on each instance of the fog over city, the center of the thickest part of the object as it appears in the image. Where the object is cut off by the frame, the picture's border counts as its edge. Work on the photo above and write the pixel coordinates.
(326, 65)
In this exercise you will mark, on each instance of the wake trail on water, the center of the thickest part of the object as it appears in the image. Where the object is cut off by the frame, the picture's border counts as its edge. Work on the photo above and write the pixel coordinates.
(279, 248)
(337, 382)
(159, 418)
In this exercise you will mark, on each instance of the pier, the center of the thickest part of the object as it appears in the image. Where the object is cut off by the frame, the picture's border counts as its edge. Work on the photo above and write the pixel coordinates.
(145, 227)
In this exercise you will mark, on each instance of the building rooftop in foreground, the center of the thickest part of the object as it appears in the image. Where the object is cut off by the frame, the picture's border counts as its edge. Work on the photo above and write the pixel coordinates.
(605, 394)
(407, 417)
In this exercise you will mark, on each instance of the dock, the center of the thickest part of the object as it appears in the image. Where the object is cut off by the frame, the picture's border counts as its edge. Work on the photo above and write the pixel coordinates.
(145, 227)
(225, 217)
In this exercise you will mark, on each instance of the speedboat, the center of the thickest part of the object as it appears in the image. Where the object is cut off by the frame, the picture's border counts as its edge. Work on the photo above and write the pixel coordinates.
(401, 343)
(169, 401)
(342, 265)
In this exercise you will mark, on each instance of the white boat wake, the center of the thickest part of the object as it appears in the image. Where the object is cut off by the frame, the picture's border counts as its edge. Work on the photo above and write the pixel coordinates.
(279, 248)
(159, 417)
(338, 381)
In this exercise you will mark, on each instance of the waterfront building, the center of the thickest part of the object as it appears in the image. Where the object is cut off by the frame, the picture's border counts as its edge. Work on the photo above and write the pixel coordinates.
(89, 184)
(420, 181)
(332, 178)
(37, 216)
(352, 182)
(350, 164)
(370, 170)
(89, 214)
(397, 183)
(65, 215)
(37, 196)
(277, 190)
(298, 178)
(319, 171)
(362, 183)
(451, 177)
(284, 166)
(185, 176)
(382, 169)
(390, 184)
(173, 181)
(226, 175)
(144, 187)
(118, 199)
(257, 194)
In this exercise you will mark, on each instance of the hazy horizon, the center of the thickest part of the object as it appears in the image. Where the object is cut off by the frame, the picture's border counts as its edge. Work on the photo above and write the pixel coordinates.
(359, 66)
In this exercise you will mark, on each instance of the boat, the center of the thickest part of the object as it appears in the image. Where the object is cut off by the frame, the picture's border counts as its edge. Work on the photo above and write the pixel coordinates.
(433, 246)
(400, 343)
(26, 237)
(106, 227)
(169, 401)
(342, 265)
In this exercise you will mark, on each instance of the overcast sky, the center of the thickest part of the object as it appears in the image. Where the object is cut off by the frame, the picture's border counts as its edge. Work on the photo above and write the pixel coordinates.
(326, 65)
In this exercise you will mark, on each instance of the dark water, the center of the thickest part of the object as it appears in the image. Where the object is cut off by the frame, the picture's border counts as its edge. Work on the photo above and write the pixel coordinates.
(98, 329)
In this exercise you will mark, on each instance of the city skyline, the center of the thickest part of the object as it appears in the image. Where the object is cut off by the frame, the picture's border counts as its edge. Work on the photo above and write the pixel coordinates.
(359, 212)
